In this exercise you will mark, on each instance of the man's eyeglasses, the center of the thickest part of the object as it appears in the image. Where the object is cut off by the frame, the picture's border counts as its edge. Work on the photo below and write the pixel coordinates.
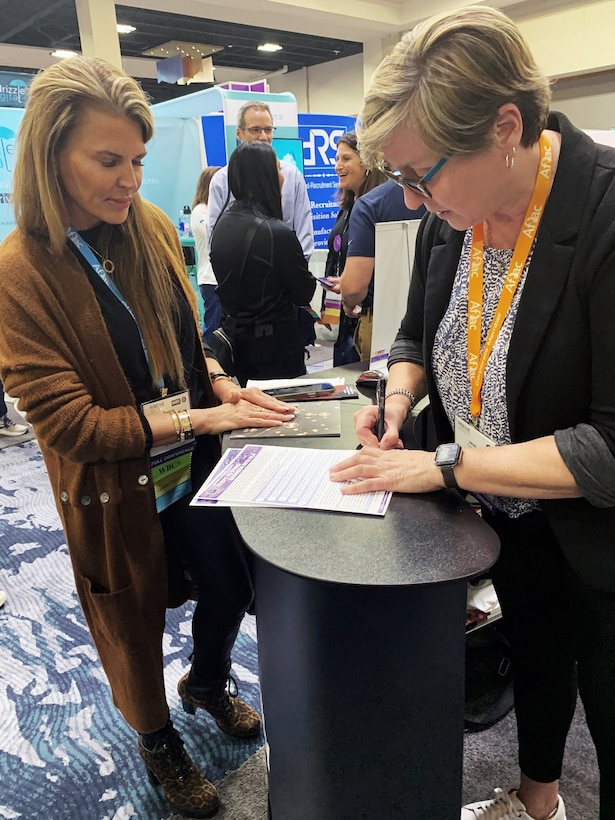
(418, 186)
(255, 130)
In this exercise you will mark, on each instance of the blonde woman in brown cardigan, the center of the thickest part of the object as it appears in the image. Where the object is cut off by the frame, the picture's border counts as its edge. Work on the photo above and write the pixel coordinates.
(97, 319)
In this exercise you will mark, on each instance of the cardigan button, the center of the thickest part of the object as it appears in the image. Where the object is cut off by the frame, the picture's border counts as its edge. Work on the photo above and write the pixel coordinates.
(104, 497)
(86, 500)
(64, 496)
(143, 479)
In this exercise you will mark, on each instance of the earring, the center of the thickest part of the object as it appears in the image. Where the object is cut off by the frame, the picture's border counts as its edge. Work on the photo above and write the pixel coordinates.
(510, 158)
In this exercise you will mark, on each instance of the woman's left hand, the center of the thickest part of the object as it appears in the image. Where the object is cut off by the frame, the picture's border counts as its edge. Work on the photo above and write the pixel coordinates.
(402, 471)
(256, 396)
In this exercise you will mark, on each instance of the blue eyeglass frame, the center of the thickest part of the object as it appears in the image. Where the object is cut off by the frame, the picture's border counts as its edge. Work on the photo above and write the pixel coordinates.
(419, 186)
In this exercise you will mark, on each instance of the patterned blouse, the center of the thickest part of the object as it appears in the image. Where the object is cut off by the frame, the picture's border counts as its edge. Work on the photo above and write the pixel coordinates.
(450, 363)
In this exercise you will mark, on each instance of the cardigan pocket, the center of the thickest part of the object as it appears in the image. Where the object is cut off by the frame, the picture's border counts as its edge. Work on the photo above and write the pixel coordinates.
(113, 617)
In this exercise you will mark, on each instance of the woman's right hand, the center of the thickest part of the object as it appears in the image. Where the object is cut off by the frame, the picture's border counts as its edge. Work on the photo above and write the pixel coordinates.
(230, 416)
(366, 422)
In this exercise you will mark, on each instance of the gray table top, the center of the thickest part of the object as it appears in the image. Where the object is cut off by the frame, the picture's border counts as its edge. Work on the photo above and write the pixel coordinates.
(423, 539)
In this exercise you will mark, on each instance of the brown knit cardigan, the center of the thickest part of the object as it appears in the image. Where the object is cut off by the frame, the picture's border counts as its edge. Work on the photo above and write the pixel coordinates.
(56, 357)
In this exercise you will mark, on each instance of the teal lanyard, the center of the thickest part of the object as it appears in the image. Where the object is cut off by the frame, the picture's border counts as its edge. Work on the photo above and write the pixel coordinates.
(88, 255)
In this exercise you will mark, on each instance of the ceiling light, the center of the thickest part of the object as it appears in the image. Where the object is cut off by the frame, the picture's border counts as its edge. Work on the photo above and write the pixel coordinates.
(123, 28)
(61, 52)
(174, 47)
(269, 47)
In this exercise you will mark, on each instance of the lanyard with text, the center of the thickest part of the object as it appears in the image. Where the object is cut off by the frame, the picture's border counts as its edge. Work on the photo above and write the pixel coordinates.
(87, 253)
(477, 359)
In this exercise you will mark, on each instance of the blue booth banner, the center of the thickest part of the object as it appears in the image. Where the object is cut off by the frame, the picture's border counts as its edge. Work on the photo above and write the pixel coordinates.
(320, 133)
(9, 123)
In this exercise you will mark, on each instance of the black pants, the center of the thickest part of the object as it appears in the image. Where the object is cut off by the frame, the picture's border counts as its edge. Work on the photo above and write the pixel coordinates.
(213, 552)
(562, 634)
(344, 351)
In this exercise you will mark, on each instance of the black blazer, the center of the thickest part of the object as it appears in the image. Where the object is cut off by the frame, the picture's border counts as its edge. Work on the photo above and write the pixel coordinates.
(561, 361)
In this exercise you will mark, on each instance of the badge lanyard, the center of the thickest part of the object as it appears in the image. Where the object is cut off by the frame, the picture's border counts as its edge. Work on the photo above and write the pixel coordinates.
(87, 253)
(477, 359)
(171, 464)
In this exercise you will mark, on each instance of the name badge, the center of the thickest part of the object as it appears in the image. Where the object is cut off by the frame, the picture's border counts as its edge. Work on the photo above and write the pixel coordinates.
(468, 436)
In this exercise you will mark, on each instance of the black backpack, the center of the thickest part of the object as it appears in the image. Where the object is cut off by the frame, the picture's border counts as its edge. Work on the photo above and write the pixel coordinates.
(489, 681)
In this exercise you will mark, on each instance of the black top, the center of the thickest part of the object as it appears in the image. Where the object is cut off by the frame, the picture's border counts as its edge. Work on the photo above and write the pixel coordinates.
(275, 277)
(126, 341)
(560, 364)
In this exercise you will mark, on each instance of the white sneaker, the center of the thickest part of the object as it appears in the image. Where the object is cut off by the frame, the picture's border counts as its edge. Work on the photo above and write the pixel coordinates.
(506, 806)
(8, 427)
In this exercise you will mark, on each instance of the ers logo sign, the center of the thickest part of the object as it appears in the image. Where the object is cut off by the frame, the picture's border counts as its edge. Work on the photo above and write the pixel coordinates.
(319, 148)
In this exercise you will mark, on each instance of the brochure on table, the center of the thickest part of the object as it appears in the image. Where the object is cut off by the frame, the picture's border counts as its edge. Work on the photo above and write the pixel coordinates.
(312, 418)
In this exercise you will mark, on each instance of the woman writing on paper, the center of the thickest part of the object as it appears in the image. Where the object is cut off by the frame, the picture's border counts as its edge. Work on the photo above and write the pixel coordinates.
(263, 278)
(99, 342)
(509, 329)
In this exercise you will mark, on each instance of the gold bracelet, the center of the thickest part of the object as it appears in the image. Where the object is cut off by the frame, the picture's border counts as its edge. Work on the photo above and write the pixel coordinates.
(186, 425)
(176, 424)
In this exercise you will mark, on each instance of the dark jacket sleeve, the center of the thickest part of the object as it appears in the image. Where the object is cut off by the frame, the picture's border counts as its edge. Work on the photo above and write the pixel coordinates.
(290, 265)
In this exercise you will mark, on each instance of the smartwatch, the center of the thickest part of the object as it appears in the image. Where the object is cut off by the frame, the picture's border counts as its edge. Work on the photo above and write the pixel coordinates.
(447, 458)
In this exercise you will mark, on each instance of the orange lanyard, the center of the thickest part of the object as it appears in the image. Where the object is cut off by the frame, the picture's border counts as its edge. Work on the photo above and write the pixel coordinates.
(477, 359)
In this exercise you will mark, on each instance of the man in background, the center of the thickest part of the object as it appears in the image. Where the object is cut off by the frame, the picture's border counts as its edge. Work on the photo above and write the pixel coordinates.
(254, 122)
(385, 203)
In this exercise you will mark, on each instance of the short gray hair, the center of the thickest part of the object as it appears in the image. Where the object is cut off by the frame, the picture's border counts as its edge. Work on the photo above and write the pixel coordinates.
(251, 104)
(447, 78)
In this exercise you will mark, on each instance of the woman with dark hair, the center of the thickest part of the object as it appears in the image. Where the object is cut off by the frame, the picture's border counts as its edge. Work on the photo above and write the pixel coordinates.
(355, 179)
(262, 274)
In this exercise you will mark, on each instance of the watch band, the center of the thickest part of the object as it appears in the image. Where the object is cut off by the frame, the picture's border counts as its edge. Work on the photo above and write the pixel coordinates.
(448, 473)
(219, 374)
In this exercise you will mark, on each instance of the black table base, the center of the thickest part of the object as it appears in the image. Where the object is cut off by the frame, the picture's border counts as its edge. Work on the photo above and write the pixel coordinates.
(363, 697)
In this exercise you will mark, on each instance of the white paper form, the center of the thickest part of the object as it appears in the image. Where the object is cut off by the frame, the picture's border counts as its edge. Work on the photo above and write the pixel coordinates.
(298, 478)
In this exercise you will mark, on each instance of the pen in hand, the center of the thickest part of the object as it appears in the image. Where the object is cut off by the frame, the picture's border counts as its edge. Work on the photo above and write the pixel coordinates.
(380, 396)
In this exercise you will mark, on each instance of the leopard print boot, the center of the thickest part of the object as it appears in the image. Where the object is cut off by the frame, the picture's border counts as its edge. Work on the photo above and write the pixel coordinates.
(169, 766)
(231, 714)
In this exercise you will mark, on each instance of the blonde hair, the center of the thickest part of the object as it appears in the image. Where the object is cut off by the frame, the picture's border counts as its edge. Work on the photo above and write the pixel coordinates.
(142, 247)
(447, 78)
(202, 186)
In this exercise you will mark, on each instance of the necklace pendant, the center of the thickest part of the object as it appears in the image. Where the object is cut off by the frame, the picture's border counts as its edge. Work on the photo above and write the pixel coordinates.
(108, 266)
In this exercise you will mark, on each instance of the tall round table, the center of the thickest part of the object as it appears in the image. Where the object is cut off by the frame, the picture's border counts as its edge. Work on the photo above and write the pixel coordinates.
(361, 639)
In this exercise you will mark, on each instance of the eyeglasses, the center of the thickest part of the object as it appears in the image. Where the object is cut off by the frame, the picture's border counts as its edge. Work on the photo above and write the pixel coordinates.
(418, 186)
(255, 130)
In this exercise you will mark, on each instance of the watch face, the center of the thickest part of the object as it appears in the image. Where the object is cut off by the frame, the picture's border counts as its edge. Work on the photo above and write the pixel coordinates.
(447, 454)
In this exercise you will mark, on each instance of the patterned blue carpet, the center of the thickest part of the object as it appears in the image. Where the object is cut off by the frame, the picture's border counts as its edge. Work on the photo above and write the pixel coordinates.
(65, 751)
